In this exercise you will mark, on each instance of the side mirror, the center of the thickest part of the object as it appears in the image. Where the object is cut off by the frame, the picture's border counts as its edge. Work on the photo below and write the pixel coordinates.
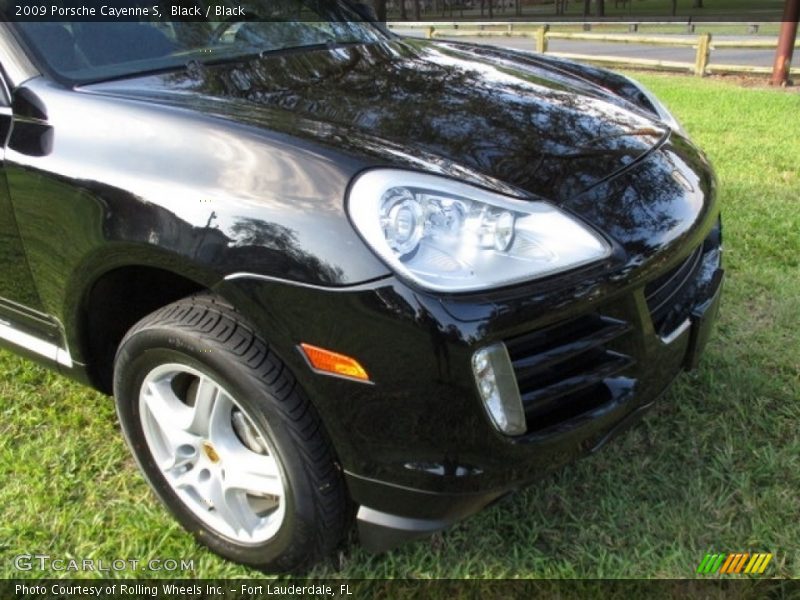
(31, 136)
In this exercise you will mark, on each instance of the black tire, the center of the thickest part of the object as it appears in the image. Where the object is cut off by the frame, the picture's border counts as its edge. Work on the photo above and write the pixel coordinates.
(207, 335)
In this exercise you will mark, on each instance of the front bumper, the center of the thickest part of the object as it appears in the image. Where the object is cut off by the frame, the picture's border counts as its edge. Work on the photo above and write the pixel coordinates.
(593, 391)
(591, 351)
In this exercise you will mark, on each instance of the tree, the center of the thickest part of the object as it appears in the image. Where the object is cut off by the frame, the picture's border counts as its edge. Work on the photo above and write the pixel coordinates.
(697, 4)
(380, 9)
(601, 8)
(786, 41)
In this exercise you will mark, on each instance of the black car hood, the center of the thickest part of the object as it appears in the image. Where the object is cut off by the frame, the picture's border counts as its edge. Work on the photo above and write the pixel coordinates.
(501, 119)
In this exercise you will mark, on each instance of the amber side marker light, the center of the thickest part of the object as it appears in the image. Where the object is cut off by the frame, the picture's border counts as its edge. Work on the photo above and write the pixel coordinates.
(333, 363)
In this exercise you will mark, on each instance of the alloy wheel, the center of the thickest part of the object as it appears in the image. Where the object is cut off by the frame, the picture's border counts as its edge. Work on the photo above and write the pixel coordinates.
(220, 465)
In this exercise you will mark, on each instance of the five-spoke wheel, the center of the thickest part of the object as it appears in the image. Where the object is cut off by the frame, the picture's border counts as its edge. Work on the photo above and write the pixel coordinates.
(211, 453)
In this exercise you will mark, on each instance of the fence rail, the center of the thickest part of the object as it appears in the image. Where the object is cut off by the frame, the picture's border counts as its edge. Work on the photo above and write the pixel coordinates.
(703, 44)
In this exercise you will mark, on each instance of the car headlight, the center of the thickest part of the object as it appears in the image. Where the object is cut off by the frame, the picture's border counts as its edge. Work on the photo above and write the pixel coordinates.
(663, 112)
(449, 236)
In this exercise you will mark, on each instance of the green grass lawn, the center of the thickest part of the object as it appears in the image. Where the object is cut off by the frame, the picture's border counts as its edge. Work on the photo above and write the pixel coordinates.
(716, 467)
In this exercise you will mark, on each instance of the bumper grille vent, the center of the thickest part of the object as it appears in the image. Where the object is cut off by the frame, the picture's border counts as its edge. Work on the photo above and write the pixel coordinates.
(561, 370)
(670, 297)
(664, 293)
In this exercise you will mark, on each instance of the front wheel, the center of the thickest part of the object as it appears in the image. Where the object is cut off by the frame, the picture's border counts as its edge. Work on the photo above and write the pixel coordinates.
(227, 439)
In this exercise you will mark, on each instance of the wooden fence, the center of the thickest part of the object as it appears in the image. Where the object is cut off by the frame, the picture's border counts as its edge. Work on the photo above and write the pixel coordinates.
(703, 44)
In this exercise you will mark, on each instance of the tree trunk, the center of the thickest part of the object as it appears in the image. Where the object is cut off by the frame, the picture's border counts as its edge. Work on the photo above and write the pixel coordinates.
(786, 41)
(380, 10)
(587, 7)
(697, 4)
(601, 8)
(674, 7)
(417, 15)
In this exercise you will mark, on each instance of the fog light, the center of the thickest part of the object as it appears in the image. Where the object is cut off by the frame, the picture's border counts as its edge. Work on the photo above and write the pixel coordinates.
(497, 386)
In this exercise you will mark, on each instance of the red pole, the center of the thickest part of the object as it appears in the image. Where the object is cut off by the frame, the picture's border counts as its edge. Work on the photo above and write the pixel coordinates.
(783, 55)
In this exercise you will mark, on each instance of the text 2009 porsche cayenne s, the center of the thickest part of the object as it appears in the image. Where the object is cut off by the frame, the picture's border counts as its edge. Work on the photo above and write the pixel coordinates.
(327, 271)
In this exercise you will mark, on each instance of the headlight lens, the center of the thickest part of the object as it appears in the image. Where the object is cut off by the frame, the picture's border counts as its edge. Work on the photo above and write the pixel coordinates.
(450, 236)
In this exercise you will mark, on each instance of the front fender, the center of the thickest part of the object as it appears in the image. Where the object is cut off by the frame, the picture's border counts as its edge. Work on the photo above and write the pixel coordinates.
(123, 182)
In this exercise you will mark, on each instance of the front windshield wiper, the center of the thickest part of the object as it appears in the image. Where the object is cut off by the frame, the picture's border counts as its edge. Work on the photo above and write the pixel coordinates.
(255, 51)
(329, 45)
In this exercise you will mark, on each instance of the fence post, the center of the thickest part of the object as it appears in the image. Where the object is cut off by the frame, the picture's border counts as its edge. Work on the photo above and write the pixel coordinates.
(541, 39)
(703, 51)
(431, 31)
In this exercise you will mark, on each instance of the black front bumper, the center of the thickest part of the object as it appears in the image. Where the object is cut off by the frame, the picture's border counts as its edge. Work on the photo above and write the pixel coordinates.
(583, 381)
(417, 448)
(583, 392)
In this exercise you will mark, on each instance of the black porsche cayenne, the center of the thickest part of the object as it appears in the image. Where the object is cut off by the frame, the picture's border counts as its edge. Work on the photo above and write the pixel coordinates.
(327, 271)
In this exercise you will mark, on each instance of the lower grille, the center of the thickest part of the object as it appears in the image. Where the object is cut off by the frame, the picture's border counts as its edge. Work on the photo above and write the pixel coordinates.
(562, 370)
(663, 293)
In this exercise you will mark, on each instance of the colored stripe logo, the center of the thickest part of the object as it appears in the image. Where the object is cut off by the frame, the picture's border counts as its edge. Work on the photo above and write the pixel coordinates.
(735, 563)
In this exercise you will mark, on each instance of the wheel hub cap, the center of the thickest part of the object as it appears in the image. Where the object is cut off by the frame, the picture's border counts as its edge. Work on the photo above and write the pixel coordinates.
(209, 450)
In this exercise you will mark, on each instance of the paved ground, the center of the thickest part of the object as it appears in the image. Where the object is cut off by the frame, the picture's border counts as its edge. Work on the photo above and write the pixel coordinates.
(684, 54)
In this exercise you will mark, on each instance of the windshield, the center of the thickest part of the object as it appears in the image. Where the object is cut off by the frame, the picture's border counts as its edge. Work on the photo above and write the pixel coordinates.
(82, 52)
